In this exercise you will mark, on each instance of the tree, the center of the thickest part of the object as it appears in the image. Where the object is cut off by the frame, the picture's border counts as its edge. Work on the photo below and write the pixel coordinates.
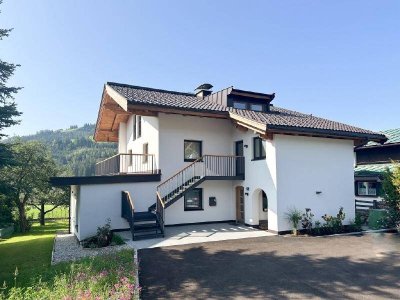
(8, 108)
(50, 195)
(391, 188)
(28, 177)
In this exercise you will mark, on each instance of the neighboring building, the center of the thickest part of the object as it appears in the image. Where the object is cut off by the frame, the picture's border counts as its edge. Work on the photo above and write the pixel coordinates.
(212, 157)
(372, 160)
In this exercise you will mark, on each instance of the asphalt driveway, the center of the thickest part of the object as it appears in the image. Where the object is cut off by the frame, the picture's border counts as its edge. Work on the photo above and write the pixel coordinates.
(346, 267)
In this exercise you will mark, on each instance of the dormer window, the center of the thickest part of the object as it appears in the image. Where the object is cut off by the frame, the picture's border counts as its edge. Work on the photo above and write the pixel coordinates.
(239, 105)
(257, 107)
(249, 106)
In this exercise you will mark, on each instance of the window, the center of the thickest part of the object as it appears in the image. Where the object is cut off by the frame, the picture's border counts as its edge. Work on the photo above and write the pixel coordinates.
(130, 158)
(134, 127)
(264, 201)
(194, 199)
(258, 149)
(139, 126)
(192, 150)
(366, 188)
(145, 152)
(239, 105)
(256, 107)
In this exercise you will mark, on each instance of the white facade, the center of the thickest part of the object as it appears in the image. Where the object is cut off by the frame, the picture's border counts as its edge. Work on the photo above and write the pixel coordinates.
(301, 172)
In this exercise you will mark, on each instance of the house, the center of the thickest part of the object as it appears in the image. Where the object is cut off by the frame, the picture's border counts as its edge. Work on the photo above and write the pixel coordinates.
(201, 157)
(372, 160)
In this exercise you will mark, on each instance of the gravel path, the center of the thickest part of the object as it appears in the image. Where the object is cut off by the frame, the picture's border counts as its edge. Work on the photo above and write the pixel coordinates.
(67, 248)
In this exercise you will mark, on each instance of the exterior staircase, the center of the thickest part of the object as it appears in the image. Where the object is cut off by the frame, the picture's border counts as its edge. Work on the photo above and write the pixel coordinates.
(143, 225)
(150, 224)
(207, 167)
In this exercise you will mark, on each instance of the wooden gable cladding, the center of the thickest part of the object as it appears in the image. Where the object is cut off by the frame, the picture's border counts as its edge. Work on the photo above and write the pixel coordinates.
(111, 114)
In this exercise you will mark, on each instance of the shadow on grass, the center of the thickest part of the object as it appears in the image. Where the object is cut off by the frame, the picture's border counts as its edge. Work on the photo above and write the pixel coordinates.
(29, 252)
(242, 270)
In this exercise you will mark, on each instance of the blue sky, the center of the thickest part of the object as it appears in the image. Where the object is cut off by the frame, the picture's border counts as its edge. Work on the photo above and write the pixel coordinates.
(335, 59)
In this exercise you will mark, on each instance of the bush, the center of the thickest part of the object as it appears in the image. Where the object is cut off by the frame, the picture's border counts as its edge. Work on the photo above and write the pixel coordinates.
(334, 224)
(102, 238)
(117, 240)
(307, 220)
(293, 216)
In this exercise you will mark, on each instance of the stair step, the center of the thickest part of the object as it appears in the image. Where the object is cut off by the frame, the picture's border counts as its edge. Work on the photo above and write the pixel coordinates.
(144, 216)
(147, 236)
(145, 227)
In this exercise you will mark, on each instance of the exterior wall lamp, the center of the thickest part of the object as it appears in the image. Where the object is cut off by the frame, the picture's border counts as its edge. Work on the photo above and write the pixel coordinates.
(246, 146)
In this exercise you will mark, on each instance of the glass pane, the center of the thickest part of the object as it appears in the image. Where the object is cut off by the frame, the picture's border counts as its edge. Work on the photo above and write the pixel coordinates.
(193, 199)
(192, 150)
(265, 201)
(239, 105)
(372, 188)
(256, 107)
(362, 188)
(257, 149)
(262, 148)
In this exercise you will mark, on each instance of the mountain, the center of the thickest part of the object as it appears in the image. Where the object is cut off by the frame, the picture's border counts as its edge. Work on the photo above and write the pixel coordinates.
(74, 147)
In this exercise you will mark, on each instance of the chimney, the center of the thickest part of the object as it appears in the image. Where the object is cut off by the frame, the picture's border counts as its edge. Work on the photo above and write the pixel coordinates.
(203, 90)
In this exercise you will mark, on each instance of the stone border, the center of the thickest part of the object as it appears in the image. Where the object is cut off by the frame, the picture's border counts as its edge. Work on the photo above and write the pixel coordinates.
(136, 262)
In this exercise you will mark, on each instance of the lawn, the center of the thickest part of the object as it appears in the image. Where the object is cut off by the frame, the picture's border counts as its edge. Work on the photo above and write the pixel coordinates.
(30, 253)
(59, 212)
(110, 276)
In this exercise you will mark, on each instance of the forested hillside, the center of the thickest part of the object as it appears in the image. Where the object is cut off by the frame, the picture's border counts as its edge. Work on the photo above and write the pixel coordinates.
(75, 147)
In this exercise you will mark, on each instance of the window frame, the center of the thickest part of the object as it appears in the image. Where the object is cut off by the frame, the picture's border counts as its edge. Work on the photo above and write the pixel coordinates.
(367, 194)
(261, 149)
(200, 198)
(145, 152)
(139, 126)
(134, 127)
(192, 141)
(240, 102)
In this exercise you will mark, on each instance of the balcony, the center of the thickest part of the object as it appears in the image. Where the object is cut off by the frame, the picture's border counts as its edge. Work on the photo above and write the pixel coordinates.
(126, 163)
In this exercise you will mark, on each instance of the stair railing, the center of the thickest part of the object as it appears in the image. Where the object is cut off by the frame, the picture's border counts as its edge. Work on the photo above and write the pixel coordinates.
(128, 209)
(160, 212)
(216, 166)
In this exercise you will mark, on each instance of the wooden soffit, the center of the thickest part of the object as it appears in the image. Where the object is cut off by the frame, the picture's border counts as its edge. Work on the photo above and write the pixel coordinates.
(113, 110)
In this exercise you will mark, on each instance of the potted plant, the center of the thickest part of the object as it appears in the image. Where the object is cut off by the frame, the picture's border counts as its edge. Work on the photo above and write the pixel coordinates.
(294, 216)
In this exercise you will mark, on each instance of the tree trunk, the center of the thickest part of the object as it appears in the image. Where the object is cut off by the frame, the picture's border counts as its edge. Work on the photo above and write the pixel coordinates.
(23, 222)
(42, 214)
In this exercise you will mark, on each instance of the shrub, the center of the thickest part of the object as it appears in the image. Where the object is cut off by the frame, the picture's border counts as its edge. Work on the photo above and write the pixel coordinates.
(117, 240)
(103, 237)
(307, 220)
(334, 224)
(293, 216)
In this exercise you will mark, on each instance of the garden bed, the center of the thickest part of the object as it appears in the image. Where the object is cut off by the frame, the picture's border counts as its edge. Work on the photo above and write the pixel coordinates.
(67, 248)
(110, 276)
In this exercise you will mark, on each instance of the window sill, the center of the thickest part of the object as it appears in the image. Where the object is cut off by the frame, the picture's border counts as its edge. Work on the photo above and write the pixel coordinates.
(259, 158)
(193, 209)
(190, 160)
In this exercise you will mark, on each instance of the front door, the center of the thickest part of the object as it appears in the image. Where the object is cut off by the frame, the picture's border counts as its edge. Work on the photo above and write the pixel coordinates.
(240, 204)
(239, 162)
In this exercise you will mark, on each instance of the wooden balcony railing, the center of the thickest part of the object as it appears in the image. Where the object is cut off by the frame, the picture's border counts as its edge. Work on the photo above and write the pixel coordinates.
(125, 163)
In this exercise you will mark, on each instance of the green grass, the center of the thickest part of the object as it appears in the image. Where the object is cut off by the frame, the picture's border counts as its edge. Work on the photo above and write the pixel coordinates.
(30, 253)
(59, 212)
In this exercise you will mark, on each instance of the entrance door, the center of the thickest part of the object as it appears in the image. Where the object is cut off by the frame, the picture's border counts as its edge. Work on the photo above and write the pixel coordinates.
(239, 162)
(240, 204)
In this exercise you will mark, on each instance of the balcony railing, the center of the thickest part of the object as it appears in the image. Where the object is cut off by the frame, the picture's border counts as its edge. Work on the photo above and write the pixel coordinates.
(126, 163)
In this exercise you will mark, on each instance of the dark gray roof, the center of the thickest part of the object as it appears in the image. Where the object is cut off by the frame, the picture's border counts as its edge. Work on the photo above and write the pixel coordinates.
(277, 118)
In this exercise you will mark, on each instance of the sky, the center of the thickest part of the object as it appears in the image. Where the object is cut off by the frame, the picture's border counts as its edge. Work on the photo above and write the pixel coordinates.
(335, 59)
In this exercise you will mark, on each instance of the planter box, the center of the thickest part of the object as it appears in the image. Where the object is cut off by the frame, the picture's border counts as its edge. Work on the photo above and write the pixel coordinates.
(6, 232)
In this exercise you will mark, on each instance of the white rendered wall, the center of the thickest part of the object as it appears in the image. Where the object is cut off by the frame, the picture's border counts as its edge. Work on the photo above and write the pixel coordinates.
(98, 202)
(306, 165)
(122, 142)
(74, 201)
(225, 209)
(216, 135)
(259, 175)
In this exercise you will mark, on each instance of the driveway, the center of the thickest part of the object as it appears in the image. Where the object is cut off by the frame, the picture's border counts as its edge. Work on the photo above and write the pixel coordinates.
(346, 267)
